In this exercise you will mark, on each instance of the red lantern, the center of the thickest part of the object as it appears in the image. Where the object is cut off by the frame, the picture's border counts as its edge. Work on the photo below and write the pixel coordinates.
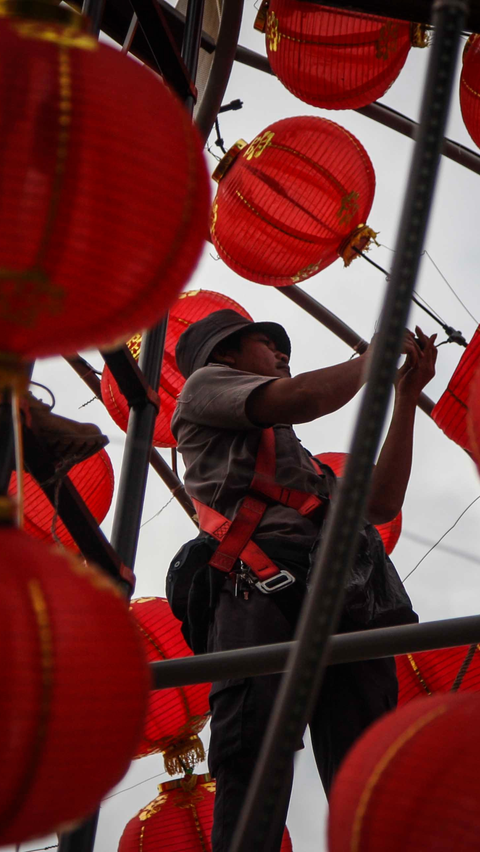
(75, 688)
(93, 145)
(389, 532)
(189, 307)
(335, 59)
(412, 781)
(443, 670)
(470, 87)
(450, 412)
(292, 201)
(473, 418)
(180, 819)
(177, 715)
(93, 480)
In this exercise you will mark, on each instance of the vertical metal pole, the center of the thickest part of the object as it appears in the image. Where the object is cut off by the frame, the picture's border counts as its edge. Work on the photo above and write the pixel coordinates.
(300, 686)
(141, 421)
(6, 440)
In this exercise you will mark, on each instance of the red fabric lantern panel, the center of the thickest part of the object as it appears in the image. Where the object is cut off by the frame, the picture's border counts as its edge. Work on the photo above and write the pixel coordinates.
(293, 201)
(429, 672)
(336, 59)
(412, 781)
(94, 481)
(450, 412)
(470, 87)
(175, 716)
(189, 307)
(75, 687)
(473, 417)
(93, 146)
(389, 532)
(180, 819)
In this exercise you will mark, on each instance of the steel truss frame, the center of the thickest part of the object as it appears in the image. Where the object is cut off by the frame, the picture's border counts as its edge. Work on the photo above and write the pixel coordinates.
(168, 41)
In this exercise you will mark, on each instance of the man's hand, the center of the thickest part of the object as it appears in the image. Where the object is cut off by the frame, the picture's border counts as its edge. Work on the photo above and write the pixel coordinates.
(419, 366)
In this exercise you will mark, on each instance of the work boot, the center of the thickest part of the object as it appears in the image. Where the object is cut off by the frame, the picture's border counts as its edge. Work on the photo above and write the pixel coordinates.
(68, 441)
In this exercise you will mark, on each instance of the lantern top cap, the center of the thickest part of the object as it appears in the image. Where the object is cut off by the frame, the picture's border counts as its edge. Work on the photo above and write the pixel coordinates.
(228, 159)
(199, 340)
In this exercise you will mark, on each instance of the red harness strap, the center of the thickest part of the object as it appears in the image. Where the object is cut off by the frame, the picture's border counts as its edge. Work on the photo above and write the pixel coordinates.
(235, 536)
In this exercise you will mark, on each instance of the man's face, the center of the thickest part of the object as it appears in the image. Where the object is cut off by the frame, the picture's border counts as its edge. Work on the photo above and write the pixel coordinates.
(259, 354)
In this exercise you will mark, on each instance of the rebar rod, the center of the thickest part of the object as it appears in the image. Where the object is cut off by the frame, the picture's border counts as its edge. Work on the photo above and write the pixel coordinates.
(342, 648)
(300, 685)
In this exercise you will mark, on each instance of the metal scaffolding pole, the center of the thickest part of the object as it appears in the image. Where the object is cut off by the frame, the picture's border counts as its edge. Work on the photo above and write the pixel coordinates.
(299, 688)
(342, 648)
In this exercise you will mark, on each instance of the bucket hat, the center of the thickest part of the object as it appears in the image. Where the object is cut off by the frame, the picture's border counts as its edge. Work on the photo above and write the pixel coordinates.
(200, 338)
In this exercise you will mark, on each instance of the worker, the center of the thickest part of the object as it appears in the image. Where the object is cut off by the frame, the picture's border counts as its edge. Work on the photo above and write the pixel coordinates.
(261, 502)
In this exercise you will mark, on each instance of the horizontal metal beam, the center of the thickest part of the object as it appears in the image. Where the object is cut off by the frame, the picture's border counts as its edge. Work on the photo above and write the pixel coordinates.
(344, 648)
(340, 329)
(382, 114)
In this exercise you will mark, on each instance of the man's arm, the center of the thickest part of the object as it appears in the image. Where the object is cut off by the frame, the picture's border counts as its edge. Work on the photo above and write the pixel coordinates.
(392, 471)
(308, 395)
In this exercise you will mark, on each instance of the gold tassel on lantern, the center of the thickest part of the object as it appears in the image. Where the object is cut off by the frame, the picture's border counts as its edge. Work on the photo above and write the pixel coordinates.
(184, 755)
(359, 240)
(420, 36)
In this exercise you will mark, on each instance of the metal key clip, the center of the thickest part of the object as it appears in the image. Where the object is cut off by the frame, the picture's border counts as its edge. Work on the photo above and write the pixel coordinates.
(274, 584)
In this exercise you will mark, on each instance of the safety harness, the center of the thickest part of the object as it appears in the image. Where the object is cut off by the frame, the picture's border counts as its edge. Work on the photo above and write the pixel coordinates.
(235, 536)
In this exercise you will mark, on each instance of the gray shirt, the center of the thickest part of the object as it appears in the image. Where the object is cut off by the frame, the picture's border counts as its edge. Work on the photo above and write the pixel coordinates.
(219, 446)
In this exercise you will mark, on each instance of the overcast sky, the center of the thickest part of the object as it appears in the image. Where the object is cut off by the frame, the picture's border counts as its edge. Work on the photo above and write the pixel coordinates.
(444, 480)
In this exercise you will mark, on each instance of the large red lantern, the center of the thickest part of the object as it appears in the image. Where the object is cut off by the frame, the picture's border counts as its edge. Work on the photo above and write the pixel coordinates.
(450, 412)
(473, 417)
(189, 307)
(177, 715)
(389, 532)
(94, 481)
(470, 87)
(93, 146)
(443, 670)
(292, 201)
(75, 688)
(180, 819)
(335, 59)
(412, 781)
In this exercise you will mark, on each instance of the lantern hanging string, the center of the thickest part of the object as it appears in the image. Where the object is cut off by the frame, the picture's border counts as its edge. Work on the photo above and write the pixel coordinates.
(454, 336)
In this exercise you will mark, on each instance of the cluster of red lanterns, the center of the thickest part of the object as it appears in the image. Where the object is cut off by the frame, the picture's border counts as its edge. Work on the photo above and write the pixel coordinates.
(333, 58)
(175, 716)
(75, 687)
(94, 481)
(389, 532)
(411, 781)
(180, 818)
(188, 308)
(292, 201)
(87, 251)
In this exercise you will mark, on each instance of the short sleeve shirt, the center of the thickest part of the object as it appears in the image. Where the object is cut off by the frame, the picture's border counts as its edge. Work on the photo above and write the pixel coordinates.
(219, 445)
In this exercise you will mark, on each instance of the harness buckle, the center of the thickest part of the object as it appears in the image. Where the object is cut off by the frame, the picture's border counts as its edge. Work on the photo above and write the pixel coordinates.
(274, 584)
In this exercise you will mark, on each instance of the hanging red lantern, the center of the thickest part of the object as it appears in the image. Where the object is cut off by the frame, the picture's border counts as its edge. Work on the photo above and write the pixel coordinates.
(470, 87)
(75, 688)
(177, 715)
(189, 307)
(450, 412)
(443, 670)
(473, 417)
(412, 781)
(180, 819)
(94, 481)
(93, 145)
(389, 532)
(292, 201)
(332, 58)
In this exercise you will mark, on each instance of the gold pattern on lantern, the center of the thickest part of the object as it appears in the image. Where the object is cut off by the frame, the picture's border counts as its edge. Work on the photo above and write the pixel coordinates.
(214, 214)
(153, 807)
(257, 147)
(306, 272)
(387, 41)
(348, 208)
(64, 36)
(272, 32)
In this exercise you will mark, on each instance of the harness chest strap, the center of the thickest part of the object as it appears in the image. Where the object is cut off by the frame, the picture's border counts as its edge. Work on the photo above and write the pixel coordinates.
(235, 536)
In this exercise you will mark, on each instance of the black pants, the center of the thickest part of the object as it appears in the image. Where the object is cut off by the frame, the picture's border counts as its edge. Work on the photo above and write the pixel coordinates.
(353, 695)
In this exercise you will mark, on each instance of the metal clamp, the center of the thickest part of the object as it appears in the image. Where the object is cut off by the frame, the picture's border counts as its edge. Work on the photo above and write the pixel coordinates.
(274, 584)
